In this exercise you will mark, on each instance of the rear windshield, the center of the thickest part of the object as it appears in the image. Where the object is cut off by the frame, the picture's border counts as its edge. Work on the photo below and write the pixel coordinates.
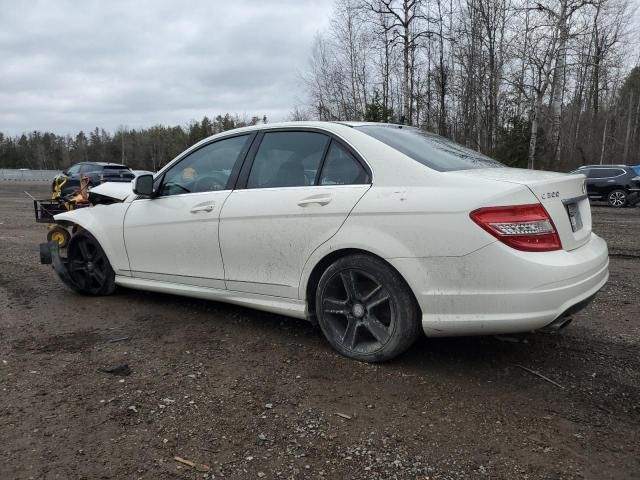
(429, 149)
(636, 169)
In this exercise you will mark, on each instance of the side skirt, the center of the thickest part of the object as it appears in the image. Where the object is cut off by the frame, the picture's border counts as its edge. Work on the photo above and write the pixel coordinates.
(279, 305)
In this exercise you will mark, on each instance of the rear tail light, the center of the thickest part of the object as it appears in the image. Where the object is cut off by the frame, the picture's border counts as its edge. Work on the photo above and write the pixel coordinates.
(523, 227)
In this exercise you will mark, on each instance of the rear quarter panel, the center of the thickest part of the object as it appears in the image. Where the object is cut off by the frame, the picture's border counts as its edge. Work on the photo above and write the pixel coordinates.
(419, 222)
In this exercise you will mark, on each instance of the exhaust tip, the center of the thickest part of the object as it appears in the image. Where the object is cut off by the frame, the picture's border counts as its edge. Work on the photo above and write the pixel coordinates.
(557, 325)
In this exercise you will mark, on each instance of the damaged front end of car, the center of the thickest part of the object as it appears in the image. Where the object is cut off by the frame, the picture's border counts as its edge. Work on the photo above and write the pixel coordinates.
(89, 219)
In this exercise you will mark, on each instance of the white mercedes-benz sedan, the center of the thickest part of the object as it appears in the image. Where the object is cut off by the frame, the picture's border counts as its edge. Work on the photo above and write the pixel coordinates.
(373, 231)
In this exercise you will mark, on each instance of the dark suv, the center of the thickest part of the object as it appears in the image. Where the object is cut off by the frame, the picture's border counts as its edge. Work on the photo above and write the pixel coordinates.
(97, 172)
(619, 185)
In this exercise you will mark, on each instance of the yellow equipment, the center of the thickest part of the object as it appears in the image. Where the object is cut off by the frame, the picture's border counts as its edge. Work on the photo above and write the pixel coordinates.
(46, 209)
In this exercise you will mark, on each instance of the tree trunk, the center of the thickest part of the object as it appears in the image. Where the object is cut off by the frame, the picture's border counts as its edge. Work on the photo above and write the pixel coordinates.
(406, 99)
(558, 85)
(604, 138)
(627, 137)
(635, 123)
(534, 132)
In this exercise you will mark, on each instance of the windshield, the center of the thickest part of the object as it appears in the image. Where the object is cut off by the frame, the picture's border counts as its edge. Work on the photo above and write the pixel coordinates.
(429, 149)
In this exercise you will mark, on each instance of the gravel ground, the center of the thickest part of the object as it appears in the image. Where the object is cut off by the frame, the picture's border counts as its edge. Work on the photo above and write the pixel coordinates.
(245, 394)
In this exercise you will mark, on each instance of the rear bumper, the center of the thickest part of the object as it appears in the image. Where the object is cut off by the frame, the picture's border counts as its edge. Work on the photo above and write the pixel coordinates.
(501, 290)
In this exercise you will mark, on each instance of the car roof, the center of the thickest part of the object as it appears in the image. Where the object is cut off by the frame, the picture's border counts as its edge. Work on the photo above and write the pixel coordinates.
(366, 147)
(327, 125)
(102, 164)
(604, 166)
(377, 124)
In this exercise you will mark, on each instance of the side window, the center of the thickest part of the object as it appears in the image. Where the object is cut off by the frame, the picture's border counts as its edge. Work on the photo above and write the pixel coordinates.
(287, 159)
(341, 168)
(606, 172)
(206, 170)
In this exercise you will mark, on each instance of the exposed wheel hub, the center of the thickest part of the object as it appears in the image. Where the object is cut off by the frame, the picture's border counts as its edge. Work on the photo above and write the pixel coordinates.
(358, 310)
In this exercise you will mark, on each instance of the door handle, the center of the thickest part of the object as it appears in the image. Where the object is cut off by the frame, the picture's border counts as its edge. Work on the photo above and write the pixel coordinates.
(202, 209)
(320, 200)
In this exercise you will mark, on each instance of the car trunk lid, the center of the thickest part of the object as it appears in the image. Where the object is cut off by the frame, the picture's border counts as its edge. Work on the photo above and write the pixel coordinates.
(562, 195)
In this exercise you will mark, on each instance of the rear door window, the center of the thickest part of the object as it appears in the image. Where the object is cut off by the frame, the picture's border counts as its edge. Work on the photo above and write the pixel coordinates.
(287, 159)
(605, 172)
(341, 168)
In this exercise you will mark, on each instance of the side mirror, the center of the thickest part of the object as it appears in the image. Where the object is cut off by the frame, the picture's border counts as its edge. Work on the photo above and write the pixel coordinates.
(143, 186)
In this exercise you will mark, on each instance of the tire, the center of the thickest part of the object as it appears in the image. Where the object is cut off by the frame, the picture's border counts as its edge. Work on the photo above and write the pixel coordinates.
(89, 267)
(617, 198)
(366, 310)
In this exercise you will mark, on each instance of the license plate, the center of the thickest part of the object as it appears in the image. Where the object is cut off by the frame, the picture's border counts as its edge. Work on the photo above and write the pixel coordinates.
(574, 216)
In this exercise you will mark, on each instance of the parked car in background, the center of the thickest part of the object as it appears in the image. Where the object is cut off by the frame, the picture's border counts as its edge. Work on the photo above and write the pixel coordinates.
(96, 172)
(375, 232)
(619, 185)
(137, 173)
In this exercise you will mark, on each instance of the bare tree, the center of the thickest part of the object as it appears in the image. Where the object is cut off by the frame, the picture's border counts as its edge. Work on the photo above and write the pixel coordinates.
(523, 80)
(407, 26)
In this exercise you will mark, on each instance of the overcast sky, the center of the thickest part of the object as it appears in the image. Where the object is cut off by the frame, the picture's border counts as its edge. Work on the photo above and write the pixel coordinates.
(74, 65)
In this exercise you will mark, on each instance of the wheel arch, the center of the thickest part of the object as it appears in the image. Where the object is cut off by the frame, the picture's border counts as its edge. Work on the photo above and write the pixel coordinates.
(101, 229)
(311, 285)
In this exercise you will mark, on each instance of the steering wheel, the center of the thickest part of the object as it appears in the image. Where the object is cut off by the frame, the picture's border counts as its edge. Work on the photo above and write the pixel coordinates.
(209, 183)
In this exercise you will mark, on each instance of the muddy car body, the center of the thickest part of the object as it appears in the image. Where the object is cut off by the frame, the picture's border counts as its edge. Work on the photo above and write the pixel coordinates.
(374, 231)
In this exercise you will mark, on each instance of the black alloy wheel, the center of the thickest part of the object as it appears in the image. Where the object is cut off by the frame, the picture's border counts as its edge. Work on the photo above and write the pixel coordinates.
(88, 266)
(366, 310)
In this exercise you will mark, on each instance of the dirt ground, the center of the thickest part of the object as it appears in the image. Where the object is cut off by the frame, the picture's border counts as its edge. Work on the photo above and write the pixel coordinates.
(255, 395)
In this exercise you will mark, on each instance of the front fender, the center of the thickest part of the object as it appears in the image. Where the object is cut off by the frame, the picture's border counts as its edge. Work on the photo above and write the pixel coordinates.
(105, 223)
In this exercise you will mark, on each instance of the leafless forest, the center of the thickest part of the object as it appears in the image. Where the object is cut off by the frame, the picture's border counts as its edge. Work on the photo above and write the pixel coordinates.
(549, 84)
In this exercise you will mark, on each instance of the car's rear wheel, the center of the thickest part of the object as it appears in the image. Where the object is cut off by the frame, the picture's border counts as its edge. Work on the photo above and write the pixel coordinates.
(365, 309)
(617, 198)
(88, 266)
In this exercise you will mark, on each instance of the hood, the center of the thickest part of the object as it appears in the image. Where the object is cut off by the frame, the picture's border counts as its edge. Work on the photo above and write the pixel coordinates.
(115, 190)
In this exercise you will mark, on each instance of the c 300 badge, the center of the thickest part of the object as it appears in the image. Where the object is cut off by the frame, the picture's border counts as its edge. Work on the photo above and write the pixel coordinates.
(548, 195)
